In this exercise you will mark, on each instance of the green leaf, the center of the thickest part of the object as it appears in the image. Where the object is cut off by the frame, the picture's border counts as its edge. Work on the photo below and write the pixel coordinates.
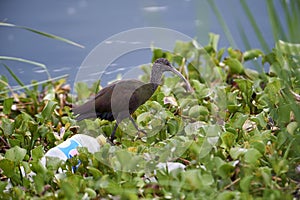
(288, 48)
(235, 53)
(260, 146)
(43, 34)
(15, 154)
(48, 110)
(95, 172)
(252, 156)
(252, 54)
(192, 179)
(34, 84)
(237, 152)
(37, 153)
(197, 111)
(8, 167)
(228, 139)
(82, 91)
(252, 74)
(7, 105)
(228, 195)
(7, 126)
(246, 183)
(234, 65)
(292, 127)
(39, 182)
(225, 171)
(43, 66)
(214, 40)
(238, 120)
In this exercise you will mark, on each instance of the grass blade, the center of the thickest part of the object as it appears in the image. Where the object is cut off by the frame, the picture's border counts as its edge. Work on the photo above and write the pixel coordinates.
(34, 84)
(28, 62)
(295, 28)
(255, 26)
(55, 37)
(277, 29)
(222, 23)
(15, 76)
(244, 36)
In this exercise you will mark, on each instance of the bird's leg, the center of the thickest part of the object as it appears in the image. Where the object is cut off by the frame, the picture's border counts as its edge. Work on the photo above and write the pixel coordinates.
(112, 136)
(136, 126)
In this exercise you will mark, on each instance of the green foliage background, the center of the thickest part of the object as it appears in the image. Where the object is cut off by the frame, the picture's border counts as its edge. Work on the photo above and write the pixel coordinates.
(252, 117)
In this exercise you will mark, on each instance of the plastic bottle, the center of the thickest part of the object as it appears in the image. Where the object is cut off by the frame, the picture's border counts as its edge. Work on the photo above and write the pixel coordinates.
(68, 148)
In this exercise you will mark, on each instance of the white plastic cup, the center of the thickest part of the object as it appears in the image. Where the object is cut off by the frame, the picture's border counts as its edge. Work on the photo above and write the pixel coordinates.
(68, 148)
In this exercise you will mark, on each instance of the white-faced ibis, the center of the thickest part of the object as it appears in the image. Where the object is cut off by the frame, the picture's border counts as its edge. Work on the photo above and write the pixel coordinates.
(120, 99)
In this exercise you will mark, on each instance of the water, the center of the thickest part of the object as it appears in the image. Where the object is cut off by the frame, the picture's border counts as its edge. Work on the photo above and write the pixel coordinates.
(91, 22)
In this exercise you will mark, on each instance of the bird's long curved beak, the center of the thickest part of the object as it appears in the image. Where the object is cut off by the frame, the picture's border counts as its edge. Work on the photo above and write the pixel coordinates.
(188, 86)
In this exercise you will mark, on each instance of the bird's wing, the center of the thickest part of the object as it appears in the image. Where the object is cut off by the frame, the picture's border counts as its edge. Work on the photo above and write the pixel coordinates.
(100, 103)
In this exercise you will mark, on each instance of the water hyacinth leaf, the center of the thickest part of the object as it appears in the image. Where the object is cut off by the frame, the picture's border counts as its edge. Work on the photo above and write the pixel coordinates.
(184, 49)
(95, 172)
(91, 193)
(292, 127)
(214, 41)
(229, 195)
(252, 74)
(235, 53)
(143, 118)
(235, 66)
(15, 154)
(238, 120)
(193, 128)
(82, 91)
(245, 183)
(252, 156)
(155, 106)
(173, 126)
(260, 119)
(212, 135)
(207, 179)
(281, 139)
(252, 54)
(245, 86)
(280, 166)
(225, 171)
(3, 185)
(228, 139)
(39, 182)
(7, 126)
(197, 111)
(124, 158)
(192, 178)
(260, 146)
(288, 48)
(7, 166)
(201, 89)
(272, 91)
(37, 153)
(52, 163)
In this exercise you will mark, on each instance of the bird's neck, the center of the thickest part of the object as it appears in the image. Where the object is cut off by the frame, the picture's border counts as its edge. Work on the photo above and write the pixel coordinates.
(155, 77)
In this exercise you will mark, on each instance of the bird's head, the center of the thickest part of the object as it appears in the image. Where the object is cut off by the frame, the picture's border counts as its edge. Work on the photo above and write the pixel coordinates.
(161, 65)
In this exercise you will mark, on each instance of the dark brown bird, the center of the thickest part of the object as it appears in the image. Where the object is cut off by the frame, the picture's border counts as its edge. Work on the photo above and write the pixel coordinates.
(120, 99)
